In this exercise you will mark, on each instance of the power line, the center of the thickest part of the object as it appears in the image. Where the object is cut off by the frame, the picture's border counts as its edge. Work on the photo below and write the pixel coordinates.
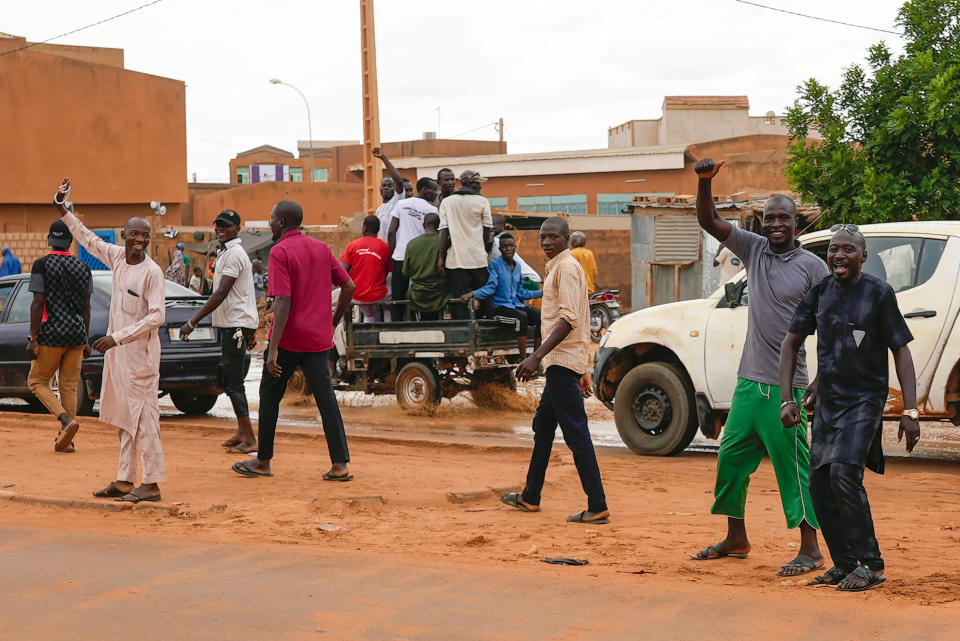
(803, 15)
(119, 15)
(464, 133)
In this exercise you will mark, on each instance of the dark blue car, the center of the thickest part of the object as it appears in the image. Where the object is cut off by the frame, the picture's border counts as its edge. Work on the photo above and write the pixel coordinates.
(189, 371)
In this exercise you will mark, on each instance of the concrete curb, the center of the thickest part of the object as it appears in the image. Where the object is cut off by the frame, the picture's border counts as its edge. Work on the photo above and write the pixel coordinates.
(481, 495)
(88, 504)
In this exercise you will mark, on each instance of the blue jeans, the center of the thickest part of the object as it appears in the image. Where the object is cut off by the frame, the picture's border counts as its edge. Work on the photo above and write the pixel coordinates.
(562, 404)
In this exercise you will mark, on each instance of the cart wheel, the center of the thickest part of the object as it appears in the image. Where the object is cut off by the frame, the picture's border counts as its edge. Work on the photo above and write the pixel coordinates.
(417, 387)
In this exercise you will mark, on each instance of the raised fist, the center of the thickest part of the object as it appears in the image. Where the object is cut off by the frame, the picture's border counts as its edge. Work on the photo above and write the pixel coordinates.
(377, 152)
(708, 167)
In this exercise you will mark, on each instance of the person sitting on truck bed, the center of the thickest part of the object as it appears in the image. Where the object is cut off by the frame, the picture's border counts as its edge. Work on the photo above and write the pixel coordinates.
(505, 287)
(857, 320)
(428, 291)
(781, 272)
(367, 260)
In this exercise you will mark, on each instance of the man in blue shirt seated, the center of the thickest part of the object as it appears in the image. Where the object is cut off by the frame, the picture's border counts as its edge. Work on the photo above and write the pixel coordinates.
(504, 285)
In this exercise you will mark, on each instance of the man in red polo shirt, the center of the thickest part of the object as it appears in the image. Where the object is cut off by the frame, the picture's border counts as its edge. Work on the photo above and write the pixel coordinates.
(367, 260)
(303, 272)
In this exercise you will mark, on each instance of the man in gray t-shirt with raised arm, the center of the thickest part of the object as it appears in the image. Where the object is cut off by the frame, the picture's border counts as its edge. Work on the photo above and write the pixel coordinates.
(780, 273)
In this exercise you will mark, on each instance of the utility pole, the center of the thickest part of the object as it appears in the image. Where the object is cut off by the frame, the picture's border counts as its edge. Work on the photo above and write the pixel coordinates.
(372, 170)
(500, 128)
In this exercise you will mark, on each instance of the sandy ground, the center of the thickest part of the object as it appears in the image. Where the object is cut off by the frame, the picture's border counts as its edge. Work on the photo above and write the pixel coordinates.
(398, 508)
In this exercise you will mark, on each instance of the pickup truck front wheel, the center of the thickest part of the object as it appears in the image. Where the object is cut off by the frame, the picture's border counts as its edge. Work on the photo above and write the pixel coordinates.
(655, 411)
(417, 387)
(190, 402)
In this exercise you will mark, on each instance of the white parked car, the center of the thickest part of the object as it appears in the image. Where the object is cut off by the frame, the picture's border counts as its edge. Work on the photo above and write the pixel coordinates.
(668, 370)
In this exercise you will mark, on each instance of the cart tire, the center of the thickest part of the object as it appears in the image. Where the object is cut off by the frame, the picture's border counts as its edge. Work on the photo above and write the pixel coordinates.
(298, 383)
(484, 396)
(417, 387)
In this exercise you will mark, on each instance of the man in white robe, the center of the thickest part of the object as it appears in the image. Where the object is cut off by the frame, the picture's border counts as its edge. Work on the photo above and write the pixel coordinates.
(131, 349)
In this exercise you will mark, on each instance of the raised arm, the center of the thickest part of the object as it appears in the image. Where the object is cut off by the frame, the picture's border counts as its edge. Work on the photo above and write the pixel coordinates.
(903, 361)
(397, 178)
(707, 215)
(106, 253)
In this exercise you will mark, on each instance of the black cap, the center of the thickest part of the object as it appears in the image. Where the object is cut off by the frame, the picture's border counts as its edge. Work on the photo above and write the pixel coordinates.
(59, 235)
(227, 217)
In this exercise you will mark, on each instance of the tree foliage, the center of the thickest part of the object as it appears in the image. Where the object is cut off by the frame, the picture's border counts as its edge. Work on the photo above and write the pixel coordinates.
(890, 147)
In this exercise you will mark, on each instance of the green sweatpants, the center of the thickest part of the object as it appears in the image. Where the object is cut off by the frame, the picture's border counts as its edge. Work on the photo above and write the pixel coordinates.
(752, 428)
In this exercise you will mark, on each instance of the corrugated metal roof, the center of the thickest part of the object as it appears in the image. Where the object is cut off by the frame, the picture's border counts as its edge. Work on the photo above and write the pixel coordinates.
(676, 238)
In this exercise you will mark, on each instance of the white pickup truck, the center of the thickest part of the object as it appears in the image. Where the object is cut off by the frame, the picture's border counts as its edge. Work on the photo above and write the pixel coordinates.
(668, 370)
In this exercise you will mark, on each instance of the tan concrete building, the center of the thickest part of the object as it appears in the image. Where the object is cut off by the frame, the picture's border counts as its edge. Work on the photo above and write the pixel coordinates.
(693, 119)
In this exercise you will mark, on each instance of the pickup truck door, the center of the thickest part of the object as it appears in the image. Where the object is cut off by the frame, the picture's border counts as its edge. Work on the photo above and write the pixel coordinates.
(724, 335)
(923, 272)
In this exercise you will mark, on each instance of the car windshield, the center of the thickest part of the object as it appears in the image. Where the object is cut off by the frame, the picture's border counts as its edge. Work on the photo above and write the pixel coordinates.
(103, 284)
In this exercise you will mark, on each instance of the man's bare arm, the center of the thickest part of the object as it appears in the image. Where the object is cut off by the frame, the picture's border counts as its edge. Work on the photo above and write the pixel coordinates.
(707, 215)
(443, 240)
(392, 234)
(789, 411)
(903, 362)
(343, 303)
(215, 300)
(394, 173)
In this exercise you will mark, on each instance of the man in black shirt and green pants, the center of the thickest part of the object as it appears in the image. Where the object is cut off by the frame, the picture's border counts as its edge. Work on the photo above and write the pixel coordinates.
(857, 320)
(59, 325)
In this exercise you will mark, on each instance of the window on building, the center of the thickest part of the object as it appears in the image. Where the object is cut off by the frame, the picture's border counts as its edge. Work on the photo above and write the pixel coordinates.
(243, 175)
(499, 203)
(296, 174)
(614, 204)
(320, 175)
(570, 204)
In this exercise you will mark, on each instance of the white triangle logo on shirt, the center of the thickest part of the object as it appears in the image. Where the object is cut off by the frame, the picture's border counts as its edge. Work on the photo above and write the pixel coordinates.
(858, 335)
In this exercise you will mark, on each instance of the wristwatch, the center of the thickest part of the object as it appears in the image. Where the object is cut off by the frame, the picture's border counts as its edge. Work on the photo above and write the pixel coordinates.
(914, 414)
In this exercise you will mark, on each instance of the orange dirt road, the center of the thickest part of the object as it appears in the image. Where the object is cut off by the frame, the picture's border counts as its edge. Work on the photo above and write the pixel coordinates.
(411, 561)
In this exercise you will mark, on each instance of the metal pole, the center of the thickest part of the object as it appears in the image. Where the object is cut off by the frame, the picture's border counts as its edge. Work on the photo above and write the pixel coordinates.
(372, 170)
(309, 120)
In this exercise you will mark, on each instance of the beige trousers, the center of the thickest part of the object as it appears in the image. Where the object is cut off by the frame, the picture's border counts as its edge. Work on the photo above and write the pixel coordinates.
(144, 446)
(50, 360)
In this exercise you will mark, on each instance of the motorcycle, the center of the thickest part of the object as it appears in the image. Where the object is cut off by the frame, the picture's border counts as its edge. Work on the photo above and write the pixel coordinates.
(604, 309)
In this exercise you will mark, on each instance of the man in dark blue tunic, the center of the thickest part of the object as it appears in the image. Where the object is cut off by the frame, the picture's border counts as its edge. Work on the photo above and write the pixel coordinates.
(857, 320)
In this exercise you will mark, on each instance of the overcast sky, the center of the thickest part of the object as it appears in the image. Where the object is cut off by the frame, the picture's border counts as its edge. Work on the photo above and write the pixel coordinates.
(559, 72)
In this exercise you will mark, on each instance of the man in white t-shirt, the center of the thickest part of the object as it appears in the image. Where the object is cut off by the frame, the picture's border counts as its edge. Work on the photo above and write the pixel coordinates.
(405, 225)
(391, 190)
(235, 319)
(728, 263)
(466, 235)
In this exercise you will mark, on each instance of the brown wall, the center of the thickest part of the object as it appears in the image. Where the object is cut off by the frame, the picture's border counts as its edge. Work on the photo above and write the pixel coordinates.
(120, 135)
(37, 218)
(611, 248)
(26, 247)
(323, 203)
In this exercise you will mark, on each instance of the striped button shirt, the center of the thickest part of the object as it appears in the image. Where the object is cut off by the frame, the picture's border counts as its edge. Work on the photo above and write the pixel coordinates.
(565, 297)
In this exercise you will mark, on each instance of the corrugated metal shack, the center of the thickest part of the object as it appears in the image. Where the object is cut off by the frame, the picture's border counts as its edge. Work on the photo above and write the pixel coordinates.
(672, 258)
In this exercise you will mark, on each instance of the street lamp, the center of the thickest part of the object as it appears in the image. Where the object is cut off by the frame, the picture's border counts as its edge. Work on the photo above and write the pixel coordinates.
(275, 81)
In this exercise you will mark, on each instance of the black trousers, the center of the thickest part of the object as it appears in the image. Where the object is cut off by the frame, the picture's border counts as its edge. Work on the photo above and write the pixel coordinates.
(526, 315)
(462, 281)
(399, 286)
(840, 502)
(316, 368)
(562, 404)
(231, 363)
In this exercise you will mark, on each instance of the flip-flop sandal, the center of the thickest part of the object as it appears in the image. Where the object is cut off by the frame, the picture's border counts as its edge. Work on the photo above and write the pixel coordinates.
(868, 575)
(705, 554)
(130, 497)
(242, 469)
(236, 449)
(342, 478)
(562, 560)
(832, 576)
(801, 562)
(70, 449)
(65, 437)
(513, 500)
(580, 518)
(111, 491)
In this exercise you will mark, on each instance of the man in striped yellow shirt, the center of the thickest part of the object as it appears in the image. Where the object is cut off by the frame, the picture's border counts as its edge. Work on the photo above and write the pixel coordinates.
(565, 356)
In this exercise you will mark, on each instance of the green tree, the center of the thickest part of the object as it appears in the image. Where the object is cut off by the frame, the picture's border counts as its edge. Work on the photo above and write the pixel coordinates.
(890, 146)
